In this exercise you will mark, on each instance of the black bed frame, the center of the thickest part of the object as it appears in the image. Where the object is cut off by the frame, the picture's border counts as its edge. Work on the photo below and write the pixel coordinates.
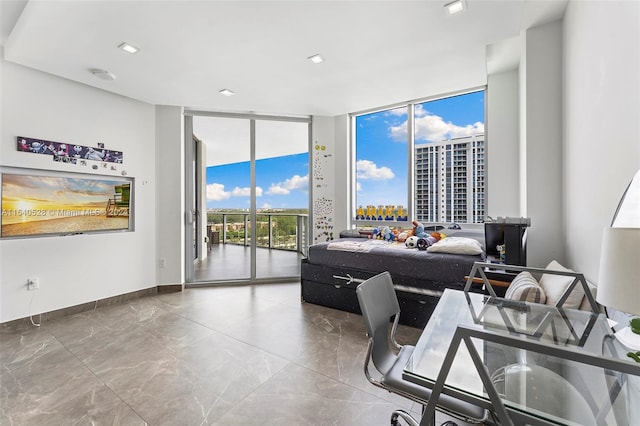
(336, 288)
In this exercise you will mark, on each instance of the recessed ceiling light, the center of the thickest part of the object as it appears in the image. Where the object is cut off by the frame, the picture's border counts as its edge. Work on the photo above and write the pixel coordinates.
(102, 74)
(455, 7)
(226, 92)
(316, 59)
(129, 48)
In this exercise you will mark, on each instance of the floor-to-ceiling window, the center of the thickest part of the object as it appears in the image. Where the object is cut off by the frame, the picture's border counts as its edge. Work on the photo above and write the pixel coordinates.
(255, 192)
(422, 160)
(282, 174)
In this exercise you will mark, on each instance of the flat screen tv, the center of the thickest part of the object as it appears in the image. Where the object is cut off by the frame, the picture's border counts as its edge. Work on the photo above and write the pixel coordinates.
(47, 203)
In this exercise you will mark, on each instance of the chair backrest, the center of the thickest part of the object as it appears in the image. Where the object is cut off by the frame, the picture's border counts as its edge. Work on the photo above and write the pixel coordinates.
(378, 303)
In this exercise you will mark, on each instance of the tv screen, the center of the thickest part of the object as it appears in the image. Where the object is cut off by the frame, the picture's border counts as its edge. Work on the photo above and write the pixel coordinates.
(40, 203)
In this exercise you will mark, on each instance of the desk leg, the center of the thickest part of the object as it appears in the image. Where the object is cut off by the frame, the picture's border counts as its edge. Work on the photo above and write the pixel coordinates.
(462, 334)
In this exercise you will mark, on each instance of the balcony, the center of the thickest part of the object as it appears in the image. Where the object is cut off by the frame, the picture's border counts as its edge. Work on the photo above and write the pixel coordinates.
(281, 242)
(280, 231)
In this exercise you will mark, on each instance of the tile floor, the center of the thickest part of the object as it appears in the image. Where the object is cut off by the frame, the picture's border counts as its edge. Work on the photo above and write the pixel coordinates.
(245, 355)
(232, 262)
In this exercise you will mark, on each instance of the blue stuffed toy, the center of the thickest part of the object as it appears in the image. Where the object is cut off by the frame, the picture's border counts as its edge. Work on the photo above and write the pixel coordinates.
(375, 234)
(387, 234)
(418, 230)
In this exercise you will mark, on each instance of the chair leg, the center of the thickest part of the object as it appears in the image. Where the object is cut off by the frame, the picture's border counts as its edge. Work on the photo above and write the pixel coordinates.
(405, 416)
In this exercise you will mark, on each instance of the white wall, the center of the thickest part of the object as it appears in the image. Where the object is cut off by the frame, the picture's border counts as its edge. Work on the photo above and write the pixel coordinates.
(601, 121)
(324, 180)
(81, 268)
(542, 143)
(502, 132)
(170, 201)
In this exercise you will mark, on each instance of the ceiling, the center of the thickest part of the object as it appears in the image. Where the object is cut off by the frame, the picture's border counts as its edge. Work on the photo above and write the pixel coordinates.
(377, 52)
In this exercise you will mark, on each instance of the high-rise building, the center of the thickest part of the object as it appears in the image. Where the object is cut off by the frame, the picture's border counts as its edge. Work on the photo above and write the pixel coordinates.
(450, 180)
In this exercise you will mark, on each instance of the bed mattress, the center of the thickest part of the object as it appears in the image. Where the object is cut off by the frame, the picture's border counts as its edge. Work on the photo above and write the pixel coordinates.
(377, 256)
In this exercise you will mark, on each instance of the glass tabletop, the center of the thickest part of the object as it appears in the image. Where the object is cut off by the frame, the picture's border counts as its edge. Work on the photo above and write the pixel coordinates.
(525, 380)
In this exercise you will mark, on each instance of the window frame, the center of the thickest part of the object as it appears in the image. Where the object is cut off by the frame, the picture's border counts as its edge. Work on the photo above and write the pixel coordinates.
(411, 204)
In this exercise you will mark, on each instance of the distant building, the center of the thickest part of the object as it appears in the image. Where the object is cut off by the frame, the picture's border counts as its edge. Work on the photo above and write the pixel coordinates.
(450, 180)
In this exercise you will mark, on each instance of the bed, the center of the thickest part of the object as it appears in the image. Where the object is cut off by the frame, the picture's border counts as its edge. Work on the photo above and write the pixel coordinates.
(332, 270)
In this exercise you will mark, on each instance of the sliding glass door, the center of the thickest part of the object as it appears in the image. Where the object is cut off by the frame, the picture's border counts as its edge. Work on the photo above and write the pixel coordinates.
(253, 183)
(282, 178)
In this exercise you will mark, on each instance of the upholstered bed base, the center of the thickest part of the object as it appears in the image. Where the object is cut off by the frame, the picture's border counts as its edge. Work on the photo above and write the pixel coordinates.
(334, 287)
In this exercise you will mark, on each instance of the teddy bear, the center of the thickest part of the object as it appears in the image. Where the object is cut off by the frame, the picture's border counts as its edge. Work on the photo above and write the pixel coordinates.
(404, 235)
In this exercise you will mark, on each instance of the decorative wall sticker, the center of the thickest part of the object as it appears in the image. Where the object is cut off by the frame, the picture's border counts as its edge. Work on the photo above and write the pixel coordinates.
(68, 154)
(323, 219)
(323, 203)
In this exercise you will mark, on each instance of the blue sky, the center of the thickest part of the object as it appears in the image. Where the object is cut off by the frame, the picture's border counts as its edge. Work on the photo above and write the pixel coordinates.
(381, 147)
(381, 158)
(282, 182)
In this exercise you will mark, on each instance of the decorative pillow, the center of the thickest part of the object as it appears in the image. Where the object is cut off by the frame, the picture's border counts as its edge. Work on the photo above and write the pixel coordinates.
(456, 245)
(585, 306)
(525, 288)
(554, 287)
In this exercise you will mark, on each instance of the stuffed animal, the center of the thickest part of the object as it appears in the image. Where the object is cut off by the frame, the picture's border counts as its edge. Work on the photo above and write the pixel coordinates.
(412, 242)
(438, 235)
(387, 234)
(404, 234)
(418, 230)
(375, 234)
(424, 243)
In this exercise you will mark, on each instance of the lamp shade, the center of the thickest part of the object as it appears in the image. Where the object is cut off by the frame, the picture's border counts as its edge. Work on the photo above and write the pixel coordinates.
(619, 278)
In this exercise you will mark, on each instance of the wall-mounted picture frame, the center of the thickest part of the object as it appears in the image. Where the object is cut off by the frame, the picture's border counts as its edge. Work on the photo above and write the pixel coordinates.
(68, 153)
(37, 203)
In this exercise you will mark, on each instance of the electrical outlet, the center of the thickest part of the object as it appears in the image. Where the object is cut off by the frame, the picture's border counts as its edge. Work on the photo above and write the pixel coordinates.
(33, 283)
(163, 263)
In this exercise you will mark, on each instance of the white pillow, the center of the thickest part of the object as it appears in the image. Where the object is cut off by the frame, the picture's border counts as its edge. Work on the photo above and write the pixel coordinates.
(554, 287)
(525, 288)
(456, 245)
(585, 306)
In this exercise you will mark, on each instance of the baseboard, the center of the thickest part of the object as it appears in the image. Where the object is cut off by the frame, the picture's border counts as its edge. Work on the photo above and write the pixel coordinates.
(170, 288)
(24, 323)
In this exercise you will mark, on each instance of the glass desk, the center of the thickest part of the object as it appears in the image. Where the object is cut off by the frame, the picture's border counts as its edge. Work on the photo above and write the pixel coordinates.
(525, 362)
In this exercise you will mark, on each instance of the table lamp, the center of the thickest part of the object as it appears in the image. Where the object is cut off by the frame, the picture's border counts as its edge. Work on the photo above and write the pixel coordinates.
(619, 278)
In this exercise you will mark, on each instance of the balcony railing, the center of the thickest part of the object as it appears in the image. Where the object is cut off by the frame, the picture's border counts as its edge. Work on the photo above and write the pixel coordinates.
(280, 231)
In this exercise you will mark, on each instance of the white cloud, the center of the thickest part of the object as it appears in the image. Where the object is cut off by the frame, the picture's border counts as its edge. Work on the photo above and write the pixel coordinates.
(298, 182)
(216, 192)
(245, 192)
(241, 192)
(433, 128)
(367, 169)
(276, 189)
(400, 111)
(358, 187)
(266, 206)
